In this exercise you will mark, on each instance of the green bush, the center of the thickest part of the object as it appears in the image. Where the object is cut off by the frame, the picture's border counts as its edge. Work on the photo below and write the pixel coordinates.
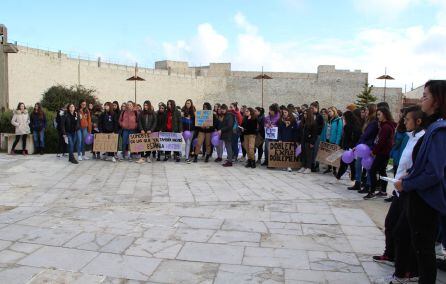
(51, 135)
(58, 96)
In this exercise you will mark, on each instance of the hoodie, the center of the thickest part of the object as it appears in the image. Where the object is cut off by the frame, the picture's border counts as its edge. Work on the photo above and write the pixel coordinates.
(384, 141)
(21, 122)
(427, 175)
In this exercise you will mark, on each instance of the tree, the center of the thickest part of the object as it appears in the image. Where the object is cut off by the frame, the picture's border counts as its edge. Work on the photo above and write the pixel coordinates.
(365, 97)
(58, 96)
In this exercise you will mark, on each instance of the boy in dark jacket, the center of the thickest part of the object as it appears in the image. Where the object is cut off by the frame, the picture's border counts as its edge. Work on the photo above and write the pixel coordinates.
(226, 131)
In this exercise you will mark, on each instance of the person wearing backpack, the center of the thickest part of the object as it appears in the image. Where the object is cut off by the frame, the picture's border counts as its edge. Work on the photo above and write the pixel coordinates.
(129, 125)
(227, 131)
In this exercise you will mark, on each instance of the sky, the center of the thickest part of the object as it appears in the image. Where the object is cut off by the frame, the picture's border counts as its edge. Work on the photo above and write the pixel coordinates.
(405, 37)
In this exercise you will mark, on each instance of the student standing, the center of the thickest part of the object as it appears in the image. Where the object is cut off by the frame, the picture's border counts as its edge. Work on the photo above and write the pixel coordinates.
(70, 126)
(38, 126)
(84, 129)
(288, 128)
(271, 121)
(62, 146)
(226, 132)
(108, 123)
(161, 124)
(147, 120)
(20, 120)
(319, 120)
(204, 136)
(332, 132)
(308, 139)
(350, 138)
(188, 121)
(233, 108)
(173, 124)
(129, 124)
(249, 129)
(260, 138)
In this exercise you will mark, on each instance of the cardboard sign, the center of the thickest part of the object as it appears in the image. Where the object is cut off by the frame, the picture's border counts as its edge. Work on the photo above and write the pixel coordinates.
(105, 142)
(282, 155)
(329, 154)
(144, 142)
(272, 133)
(204, 118)
(170, 141)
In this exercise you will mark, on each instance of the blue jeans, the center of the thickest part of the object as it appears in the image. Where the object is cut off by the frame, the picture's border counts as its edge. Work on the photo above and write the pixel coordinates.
(125, 138)
(358, 172)
(81, 134)
(39, 138)
(72, 139)
(234, 144)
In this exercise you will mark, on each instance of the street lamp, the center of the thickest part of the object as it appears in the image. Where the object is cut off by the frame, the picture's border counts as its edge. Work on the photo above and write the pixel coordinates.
(135, 78)
(385, 77)
(262, 77)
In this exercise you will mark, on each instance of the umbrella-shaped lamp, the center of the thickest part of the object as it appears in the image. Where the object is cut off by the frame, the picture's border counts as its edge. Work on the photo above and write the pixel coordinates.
(135, 78)
(385, 77)
(262, 77)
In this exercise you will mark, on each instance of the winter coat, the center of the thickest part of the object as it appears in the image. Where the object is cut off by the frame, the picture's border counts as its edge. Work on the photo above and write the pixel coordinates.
(288, 133)
(108, 123)
(399, 143)
(350, 137)
(319, 120)
(227, 126)
(309, 133)
(21, 122)
(176, 121)
(70, 123)
(59, 119)
(336, 126)
(250, 126)
(147, 121)
(369, 134)
(37, 123)
(384, 141)
(85, 119)
(161, 121)
(129, 120)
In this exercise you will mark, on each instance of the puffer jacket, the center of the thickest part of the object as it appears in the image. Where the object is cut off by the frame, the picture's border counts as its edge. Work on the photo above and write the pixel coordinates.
(21, 122)
(129, 120)
(147, 121)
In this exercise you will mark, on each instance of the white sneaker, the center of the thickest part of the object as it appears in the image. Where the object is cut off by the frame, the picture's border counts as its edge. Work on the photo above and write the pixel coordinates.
(113, 159)
(307, 171)
(149, 160)
(58, 155)
(85, 157)
(289, 170)
(79, 158)
(141, 161)
(301, 170)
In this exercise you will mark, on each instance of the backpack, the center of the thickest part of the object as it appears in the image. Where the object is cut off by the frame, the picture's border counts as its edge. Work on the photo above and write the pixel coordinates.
(235, 126)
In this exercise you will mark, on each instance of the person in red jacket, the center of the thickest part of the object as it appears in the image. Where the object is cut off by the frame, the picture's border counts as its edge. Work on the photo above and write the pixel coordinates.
(129, 123)
(381, 151)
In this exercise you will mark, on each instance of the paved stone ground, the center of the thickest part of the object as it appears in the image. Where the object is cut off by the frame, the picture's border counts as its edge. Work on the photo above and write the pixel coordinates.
(165, 222)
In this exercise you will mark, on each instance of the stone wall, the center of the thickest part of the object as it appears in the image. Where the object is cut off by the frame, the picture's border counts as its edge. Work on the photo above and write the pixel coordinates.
(32, 71)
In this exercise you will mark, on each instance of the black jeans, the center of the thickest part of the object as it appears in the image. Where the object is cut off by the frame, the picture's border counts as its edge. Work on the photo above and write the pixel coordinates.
(260, 152)
(343, 168)
(395, 210)
(405, 258)
(62, 146)
(423, 224)
(17, 139)
(379, 167)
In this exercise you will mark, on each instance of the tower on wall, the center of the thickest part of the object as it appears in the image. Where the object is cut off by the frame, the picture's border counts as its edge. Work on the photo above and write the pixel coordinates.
(5, 48)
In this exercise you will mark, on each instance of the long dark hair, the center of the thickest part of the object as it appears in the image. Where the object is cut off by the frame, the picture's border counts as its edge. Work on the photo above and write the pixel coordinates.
(438, 90)
(18, 106)
(417, 113)
(39, 110)
(352, 120)
(173, 106)
(386, 112)
(188, 111)
(401, 126)
(150, 110)
(309, 119)
(110, 108)
(207, 106)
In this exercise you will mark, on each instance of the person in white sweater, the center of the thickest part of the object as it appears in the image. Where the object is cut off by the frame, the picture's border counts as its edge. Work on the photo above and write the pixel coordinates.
(21, 121)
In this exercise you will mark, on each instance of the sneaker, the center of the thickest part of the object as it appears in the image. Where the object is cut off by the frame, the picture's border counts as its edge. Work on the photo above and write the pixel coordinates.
(158, 159)
(289, 169)
(218, 160)
(227, 164)
(85, 157)
(148, 160)
(307, 171)
(381, 194)
(301, 170)
(188, 161)
(369, 196)
(383, 259)
(58, 155)
(79, 158)
(389, 199)
(326, 171)
(113, 159)
(141, 161)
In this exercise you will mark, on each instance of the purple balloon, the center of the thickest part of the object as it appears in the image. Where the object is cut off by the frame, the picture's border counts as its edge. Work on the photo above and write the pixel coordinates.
(215, 140)
(362, 151)
(194, 142)
(367, 162)
(348, 156)
(298, 151)
(187, 134)
(215, 133)
(89, 139)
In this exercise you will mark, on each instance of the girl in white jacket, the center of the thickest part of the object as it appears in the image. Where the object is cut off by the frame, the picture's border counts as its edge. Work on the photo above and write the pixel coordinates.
(21, 122)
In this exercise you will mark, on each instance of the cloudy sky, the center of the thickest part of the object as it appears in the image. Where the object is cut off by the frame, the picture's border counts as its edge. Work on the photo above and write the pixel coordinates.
(406, 36)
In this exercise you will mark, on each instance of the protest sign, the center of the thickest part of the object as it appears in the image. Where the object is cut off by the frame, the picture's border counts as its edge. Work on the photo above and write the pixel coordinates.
(144, 142)
(282, 155)
(170, 141)
(271, 133)
(204, 118)
(329, 154)
(105, 142)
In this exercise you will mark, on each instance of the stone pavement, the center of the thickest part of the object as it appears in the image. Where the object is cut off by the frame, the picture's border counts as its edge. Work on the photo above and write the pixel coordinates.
(166, 222)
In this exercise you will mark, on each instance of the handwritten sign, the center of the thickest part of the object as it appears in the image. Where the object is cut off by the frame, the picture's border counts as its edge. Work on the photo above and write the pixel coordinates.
(144, 142)
(272, 133)
(204, 118)
(282, 155)
(329, 154)
(170, 141)
(105, 142)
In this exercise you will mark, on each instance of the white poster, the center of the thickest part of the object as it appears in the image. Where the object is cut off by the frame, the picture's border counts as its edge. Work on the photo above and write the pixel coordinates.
(170, 141)
(272, 133)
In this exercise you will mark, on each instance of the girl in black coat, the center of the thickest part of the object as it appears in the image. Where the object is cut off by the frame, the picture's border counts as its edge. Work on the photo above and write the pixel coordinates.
(350, 138)
(108, 123)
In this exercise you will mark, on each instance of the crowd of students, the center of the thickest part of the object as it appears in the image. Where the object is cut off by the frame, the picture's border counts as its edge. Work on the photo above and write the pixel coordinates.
(415, 146)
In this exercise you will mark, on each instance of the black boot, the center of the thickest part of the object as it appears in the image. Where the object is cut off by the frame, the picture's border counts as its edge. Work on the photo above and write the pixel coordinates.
(36, 151)
(195, 158)
(41, 151)
(356, 186)
(207, 158)
(72, 159)
(366, 189)
(248, 164)
(253, 164)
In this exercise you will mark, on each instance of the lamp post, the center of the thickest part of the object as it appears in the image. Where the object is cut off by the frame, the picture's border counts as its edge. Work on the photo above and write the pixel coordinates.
(385, 77)
(262, 77)
(135, 78)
